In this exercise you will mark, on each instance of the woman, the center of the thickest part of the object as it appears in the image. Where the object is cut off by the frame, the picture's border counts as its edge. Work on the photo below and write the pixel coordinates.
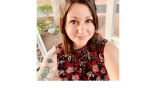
(83, 54)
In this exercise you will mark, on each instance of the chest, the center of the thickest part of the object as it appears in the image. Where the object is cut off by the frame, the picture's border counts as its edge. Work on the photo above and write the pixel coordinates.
(82, 66)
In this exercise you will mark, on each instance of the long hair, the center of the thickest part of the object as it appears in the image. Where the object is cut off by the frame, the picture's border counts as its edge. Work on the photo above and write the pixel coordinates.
(67, 45)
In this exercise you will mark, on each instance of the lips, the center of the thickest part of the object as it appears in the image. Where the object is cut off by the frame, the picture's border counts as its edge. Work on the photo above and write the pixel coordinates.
(81, 37)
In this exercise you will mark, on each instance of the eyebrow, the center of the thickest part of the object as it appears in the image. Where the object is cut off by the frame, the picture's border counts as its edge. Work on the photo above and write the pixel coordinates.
(85, 18)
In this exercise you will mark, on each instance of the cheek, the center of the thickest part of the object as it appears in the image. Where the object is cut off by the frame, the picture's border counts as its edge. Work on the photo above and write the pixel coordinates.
(91, 29)
(71, 31)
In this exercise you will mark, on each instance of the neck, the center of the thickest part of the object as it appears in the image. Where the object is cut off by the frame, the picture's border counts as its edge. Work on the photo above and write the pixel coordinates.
(78, 47)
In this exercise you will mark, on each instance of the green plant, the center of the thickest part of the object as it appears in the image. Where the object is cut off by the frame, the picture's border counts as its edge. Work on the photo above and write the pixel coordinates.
(39, 29)
(46, 22)
(40, 24)
(47, 28)
(45, 8)
(57, 31)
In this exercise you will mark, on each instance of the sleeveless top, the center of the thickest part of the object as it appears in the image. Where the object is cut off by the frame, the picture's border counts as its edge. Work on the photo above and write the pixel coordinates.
(84, 65)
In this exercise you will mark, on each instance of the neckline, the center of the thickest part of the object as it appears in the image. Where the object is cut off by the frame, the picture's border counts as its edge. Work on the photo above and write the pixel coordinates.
(81, 48)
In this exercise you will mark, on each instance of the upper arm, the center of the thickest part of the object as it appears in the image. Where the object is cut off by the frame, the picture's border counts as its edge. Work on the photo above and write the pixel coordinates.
(111, 57)
(48, 66)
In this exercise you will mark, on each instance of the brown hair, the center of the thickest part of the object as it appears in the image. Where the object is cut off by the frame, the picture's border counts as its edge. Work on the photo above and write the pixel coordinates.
(67, 45)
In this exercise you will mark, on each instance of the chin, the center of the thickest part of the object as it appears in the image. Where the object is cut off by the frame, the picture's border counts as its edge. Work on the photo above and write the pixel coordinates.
(81, 43)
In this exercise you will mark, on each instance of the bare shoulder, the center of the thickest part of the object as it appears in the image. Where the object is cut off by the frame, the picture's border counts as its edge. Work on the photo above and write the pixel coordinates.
(111, 58)
(110, 48)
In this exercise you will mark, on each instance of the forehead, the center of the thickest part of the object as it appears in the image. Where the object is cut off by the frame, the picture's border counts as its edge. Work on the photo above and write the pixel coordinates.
(78, 10)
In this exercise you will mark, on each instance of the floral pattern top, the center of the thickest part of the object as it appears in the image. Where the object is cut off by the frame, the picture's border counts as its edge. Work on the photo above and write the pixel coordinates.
(84, 65)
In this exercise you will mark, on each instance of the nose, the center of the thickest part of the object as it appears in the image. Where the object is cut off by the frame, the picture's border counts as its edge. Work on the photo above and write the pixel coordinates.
(81, 28)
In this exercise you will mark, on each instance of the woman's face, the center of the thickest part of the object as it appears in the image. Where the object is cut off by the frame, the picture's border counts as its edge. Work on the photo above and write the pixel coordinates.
(79, 24)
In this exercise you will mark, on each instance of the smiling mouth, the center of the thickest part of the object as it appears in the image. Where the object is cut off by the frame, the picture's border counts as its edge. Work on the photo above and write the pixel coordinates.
(81, 37)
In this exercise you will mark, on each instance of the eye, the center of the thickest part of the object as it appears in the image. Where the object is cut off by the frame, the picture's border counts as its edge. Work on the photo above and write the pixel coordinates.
(88, 20)
(74, 22)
